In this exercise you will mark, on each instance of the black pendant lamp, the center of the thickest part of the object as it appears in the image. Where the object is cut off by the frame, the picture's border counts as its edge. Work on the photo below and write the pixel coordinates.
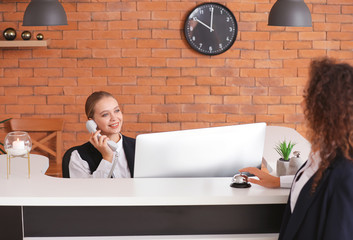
(44, 13)
(292, 13)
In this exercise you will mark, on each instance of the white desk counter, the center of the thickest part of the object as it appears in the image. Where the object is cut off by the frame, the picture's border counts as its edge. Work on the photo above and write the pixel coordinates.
(48, 191)
(50, 206)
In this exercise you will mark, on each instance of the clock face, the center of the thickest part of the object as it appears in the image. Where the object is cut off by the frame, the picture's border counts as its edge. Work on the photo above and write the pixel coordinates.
(211, 28)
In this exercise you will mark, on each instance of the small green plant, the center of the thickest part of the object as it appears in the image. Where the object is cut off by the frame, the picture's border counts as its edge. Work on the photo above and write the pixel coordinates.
(284, 149)
(2, 151)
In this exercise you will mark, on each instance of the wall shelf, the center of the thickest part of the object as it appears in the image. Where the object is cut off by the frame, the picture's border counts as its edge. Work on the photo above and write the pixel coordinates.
(23, 43)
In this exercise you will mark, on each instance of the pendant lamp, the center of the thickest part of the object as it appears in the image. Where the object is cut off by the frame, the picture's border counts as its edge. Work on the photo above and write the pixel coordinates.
(293, 13)
(44, 13)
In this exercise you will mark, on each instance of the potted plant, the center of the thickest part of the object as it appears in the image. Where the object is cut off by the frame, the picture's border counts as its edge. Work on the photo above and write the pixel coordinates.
(284, 149)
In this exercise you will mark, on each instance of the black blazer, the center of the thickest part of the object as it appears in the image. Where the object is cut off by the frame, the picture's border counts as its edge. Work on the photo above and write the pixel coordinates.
(93, 157)
(328, 212)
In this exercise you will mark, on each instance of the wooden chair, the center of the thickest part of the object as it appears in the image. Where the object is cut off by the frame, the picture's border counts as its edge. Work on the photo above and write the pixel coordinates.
(52, 126)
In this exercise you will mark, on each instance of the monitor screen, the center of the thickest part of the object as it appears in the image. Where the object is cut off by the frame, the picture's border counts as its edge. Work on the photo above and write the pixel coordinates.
(205, 152)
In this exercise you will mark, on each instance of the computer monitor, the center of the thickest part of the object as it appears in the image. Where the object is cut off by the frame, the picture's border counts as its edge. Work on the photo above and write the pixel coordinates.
(205, 152)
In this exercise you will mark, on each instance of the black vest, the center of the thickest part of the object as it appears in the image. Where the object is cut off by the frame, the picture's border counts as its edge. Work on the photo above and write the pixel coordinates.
(93, 157)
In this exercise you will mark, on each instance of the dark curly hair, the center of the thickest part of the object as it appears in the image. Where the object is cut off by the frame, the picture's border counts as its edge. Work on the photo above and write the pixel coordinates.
(328, 109)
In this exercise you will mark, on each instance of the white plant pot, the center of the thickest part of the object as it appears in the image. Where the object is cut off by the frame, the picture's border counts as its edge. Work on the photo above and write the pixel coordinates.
(282, 167)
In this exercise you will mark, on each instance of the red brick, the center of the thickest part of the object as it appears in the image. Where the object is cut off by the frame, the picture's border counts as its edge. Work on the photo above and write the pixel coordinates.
(10, 109)
(196, 90)
(236, 119)
(207, 117)
(251, 17)
(106, 34)
(165, 127)
(182, 117)
(260, 91)
(197, 108)
(281, 109)
(208, 99)
(131, 71)
(141, 52)
(133, 16)
(129, 24)
(11, 81)
(151, 62)
(152, 24)
(106, 72)
(252, 109)
(166, 90)
(237, 100)
(121, 80)
(266, 100)
(171, 72)
(32, 100)
(273, 118)
(251, 72)
(210, 80)
(224, 109)
(166, 15)
(152, 6)
(181, 81)
(340, 35)
(240, 81)
(254, 54)
(152, 117)
(175, 99)
(125, 43)
(297, 45)
(148, 99)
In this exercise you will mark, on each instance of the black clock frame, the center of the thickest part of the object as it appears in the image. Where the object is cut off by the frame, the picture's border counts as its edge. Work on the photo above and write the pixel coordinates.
(191, 43)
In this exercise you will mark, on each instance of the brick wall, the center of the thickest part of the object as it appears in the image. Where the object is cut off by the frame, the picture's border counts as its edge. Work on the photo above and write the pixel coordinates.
(137, 51)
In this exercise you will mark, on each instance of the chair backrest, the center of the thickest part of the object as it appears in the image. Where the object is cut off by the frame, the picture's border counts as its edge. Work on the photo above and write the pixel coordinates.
(53, 126)
(66, 161)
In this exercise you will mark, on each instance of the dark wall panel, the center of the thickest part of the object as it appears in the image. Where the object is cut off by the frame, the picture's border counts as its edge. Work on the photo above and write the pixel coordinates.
(152, 220)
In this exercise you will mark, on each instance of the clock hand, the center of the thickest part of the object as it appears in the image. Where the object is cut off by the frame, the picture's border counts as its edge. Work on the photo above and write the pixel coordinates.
(204, 24)
(211, 29)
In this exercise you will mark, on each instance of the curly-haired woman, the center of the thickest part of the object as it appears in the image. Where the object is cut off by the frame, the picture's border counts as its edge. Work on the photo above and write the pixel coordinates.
(320, 204)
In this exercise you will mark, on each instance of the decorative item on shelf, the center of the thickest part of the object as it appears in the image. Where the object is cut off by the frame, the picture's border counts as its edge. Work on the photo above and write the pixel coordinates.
(17, 144)
(290, 13)
(40, 36)
(284, 150)
(294, 163)
(26, 35)
(9, 34)
(44, 13)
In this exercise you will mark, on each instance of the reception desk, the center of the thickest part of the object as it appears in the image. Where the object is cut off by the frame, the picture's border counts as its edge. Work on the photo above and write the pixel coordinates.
(43, 207)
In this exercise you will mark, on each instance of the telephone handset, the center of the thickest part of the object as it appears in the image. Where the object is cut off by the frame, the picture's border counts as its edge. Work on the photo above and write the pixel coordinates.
(92, 128)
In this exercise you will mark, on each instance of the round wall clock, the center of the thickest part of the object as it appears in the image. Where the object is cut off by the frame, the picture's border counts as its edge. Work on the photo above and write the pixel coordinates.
(211, 28)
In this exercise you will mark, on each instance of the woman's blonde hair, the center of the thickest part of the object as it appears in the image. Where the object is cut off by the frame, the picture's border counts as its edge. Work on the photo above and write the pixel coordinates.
(92, 101)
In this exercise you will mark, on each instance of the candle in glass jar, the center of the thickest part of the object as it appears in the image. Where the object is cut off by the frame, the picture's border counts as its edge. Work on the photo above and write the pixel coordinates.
(18, 145)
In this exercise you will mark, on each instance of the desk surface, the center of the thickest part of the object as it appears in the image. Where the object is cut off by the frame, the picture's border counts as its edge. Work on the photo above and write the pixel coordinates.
(50, 191)
(42, 193)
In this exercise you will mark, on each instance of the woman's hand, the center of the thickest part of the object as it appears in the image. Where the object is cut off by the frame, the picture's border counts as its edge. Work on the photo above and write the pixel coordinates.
(101, 145)
(265, 179)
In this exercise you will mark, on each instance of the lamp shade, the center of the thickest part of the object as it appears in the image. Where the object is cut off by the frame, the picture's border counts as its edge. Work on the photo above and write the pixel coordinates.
(294, 13)
(44, 13)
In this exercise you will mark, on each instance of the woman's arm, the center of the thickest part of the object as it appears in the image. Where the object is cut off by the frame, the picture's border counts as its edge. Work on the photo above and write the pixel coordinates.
(265, 179)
